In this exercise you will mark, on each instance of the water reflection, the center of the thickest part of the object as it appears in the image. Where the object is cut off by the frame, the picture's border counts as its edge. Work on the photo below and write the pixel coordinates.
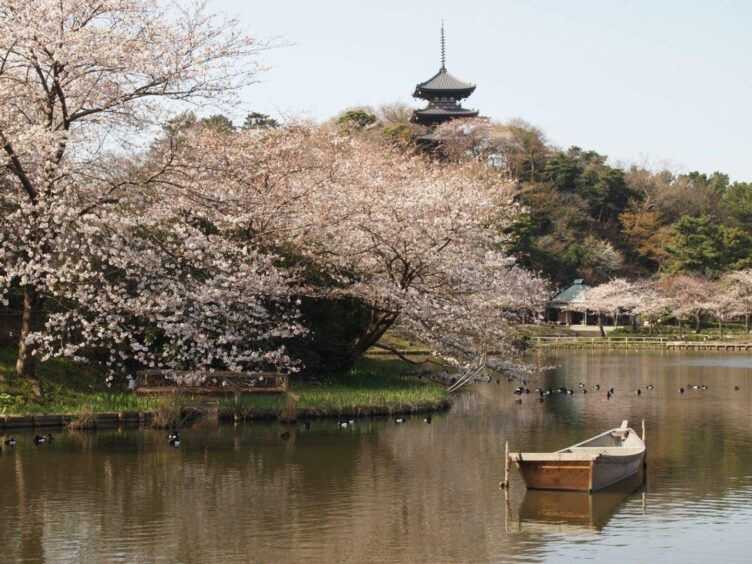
(401, 493)
(572, 512)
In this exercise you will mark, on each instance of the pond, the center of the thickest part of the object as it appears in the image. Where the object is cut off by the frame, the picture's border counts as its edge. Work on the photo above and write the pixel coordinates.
(413, 492)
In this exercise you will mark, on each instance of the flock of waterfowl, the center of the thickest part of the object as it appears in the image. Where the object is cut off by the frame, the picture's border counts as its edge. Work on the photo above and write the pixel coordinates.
(543, 393)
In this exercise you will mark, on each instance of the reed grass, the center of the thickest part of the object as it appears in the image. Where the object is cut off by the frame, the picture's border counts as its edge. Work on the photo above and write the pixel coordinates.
(374, 386)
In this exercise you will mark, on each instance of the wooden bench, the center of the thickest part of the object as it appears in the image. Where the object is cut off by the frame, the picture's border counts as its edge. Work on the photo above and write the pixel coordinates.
(205, 383)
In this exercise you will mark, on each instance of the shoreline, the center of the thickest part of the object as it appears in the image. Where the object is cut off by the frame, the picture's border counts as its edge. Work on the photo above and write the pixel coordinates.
(373, 387)
(220, 413)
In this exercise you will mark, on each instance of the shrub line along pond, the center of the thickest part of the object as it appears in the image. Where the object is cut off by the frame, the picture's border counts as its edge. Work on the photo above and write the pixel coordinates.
(74, 396)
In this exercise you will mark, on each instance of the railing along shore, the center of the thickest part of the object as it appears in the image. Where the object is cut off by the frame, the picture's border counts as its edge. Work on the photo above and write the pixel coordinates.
(580, 342)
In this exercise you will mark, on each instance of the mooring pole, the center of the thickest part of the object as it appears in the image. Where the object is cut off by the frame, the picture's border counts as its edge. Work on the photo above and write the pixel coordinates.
(645, 456)
(505, 483)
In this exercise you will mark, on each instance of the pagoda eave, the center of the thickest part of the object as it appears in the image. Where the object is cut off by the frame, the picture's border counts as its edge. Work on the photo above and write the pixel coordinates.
(434, 116)
(433, 93)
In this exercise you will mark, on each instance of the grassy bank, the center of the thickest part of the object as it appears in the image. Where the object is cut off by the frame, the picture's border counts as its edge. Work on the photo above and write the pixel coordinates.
(374, 386)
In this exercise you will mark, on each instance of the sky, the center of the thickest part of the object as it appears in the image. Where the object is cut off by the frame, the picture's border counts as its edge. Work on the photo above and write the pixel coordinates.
(659, 83)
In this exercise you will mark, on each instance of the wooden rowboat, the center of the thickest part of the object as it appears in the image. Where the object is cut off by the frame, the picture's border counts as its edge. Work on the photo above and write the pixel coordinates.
(588, 466)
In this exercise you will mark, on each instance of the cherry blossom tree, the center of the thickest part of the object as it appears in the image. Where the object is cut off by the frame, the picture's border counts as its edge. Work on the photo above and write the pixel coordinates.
(687, 297)
(418, 242)
(739, 284)
(720, 303)
(611, 298)
(651, 303)
(77, 80)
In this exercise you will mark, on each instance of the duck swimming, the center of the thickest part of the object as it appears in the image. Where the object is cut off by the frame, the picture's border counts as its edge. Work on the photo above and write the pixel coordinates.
(174, 439)
(10, 442)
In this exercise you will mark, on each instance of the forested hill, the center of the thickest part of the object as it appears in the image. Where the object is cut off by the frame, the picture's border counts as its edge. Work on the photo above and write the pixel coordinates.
(586, 218)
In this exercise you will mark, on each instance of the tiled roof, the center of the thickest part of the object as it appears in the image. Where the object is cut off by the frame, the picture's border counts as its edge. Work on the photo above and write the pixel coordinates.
(443, 81)
(570, 294)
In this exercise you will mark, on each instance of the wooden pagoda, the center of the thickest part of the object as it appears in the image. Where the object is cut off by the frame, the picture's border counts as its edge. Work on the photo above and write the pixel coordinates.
(443, 92)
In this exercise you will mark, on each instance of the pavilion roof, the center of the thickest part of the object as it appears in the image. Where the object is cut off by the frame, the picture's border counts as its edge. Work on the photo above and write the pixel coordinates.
(569, 295)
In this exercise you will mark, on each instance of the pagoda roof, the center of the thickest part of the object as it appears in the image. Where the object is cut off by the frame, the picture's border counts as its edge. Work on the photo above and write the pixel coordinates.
(443, 83)
(433, 115)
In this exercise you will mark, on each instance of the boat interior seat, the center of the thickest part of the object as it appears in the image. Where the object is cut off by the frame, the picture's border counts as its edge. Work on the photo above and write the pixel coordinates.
(603, 450)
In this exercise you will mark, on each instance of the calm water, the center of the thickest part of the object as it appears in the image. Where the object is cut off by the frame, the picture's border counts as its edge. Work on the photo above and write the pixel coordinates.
(404, 493)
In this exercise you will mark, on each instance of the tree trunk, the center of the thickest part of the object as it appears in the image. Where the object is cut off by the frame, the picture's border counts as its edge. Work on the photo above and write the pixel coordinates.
(375, 330)
(600, 325)
(681, 331)
(720, 327)
(26, 363)
(746, 322)
(698, 327)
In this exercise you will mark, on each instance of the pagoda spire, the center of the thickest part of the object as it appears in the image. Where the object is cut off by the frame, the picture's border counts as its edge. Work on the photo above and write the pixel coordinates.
(443, 48)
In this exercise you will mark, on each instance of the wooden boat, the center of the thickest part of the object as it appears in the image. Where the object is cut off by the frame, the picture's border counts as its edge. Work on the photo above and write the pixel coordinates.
(588, 466)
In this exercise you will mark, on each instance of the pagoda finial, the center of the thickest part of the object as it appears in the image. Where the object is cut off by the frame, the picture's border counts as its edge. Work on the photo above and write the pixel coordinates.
(443, 47)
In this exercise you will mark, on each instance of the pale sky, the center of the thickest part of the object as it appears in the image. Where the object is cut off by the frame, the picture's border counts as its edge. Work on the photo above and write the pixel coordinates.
(646, 81)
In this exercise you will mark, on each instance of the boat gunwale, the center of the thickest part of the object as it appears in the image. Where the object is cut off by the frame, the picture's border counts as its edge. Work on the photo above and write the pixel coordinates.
(563, 456)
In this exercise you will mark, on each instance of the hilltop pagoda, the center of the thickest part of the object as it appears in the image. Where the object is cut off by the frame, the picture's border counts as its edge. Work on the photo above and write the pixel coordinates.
(443, 93)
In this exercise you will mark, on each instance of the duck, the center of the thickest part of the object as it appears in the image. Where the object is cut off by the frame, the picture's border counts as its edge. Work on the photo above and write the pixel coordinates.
(597, 387)
(285, 436)
(307, 425)
(650, 387)
(608, 395)
(342, 424)
(704, 387)
(518, 401)
(527, 390)
(584, 391)
(174, 439)
(570, 392)
(737, 388)
(10, 442)
(581, 385)
(612, 390)
(399, 420)
(39, 440)
(681, 390)
(428, 419)
(541, 400)
(638, 392)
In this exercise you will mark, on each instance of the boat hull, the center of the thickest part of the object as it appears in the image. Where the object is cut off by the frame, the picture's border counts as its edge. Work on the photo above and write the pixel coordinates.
(586, 475)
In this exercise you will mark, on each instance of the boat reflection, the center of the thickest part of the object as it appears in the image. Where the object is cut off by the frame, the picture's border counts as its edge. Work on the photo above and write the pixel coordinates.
(570, 511)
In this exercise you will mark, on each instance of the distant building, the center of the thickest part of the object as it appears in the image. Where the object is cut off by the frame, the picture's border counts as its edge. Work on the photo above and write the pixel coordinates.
(565, 309)
(443, 92)
(562, 309)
